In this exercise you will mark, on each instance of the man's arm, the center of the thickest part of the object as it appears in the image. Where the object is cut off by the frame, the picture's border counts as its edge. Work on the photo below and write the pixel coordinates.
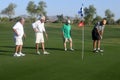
(16, 32)
(70, 33)
(46, 34)
(101, 34)
(35, 30)
(34, 26)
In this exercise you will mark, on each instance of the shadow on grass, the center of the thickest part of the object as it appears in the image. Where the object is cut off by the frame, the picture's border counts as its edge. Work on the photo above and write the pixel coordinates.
(8, 46)
(10, 49)
(59, 49)
(6, 52)
(27, 47)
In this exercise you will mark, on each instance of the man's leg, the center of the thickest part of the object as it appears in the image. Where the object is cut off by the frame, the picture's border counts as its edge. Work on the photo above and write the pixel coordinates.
(20, 48)
(98, 42)
(64, 43)
(94, 44)
(43, 46)
(99, 49)
(65, 46)
(71, 44)
(37, 42)
(37, 47)
(17, 48)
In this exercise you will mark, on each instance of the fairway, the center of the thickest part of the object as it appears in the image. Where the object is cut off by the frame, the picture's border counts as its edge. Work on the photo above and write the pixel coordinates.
(60, 64)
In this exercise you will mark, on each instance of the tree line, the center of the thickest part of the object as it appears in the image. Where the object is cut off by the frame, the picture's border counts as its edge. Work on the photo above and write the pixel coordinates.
(36, 10)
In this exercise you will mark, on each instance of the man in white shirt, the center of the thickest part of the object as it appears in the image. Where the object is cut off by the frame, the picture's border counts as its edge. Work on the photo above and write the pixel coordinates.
(39, 29)
(18, 35)
(97, 33)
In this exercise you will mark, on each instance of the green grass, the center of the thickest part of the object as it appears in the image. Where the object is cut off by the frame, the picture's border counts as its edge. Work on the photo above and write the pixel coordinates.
(60, 65)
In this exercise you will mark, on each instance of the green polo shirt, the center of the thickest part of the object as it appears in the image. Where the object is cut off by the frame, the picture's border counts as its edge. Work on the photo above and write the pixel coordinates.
(66, 30)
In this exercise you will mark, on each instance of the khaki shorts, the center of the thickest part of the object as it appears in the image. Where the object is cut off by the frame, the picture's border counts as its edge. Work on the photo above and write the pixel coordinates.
(67, 39)
(18, 41)
(39, 38)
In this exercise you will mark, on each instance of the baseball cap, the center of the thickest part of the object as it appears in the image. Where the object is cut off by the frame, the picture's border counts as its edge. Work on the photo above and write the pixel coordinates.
(42, 17)
(68, 21)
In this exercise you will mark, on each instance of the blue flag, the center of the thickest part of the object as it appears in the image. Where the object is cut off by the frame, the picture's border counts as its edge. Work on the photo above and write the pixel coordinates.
(80, 12)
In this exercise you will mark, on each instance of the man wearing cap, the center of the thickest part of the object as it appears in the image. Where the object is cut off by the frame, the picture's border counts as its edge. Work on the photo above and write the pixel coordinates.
(39, 29)
(66, 34)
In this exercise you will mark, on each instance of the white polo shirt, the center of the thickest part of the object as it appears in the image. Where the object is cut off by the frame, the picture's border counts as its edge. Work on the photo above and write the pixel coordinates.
(19, 28)
(99, 27)
(38, 26)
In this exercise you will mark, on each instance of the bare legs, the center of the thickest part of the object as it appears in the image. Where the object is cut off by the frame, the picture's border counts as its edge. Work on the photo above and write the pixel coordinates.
(18, 51)
(37, 47)
(43, 48)
(70, 40)
(18, 48)
(96, 44)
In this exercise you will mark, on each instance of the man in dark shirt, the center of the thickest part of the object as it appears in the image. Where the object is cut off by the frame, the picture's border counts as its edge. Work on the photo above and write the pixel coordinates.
(97, 34)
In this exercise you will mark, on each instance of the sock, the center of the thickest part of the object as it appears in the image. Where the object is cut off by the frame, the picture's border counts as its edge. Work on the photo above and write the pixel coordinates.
(15, 52)
(71, 48)
(20, 52)
(94, 49)
(98, 48)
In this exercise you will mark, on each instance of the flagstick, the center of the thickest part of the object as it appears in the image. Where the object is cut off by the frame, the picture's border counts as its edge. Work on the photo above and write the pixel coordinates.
(82, 43)
(82, 18)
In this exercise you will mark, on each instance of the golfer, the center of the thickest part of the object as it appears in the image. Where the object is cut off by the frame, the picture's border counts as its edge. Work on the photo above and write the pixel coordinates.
(39, 29)
(18, 35)
(97, 35)
(66, 34)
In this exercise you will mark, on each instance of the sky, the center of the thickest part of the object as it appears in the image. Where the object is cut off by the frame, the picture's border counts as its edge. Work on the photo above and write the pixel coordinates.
(66, 7)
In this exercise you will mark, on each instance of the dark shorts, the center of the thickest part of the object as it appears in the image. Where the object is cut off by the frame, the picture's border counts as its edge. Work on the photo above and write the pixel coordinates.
(95, 35)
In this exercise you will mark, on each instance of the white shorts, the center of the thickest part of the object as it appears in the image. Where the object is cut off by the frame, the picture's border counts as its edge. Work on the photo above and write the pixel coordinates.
(18, 41)
(39, 38)
(67, 39)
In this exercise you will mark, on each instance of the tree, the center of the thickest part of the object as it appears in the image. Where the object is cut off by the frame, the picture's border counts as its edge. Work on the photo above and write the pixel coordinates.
(36, 10)
(109, 16)
(96, 19)
(31, 9)
(118, 21)
(76, 19)
(89, 14)
(60, 18)
(9, 11)
(41, 8)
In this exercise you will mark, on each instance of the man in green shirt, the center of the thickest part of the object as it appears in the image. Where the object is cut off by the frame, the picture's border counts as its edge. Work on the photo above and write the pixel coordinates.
(66, 33)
